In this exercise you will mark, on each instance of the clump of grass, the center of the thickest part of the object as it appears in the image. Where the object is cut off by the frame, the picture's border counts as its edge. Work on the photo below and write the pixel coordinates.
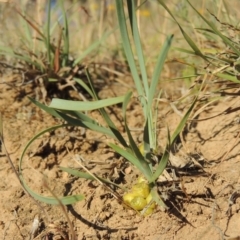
(45, 56)
(222, 57)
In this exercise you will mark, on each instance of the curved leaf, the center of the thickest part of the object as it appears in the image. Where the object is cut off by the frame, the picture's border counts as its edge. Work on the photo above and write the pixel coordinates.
(87, 176)
(50, 200)
(84, 106)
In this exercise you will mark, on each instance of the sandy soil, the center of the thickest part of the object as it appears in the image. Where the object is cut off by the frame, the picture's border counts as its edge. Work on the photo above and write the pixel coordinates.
(203, 203)
(208, 209)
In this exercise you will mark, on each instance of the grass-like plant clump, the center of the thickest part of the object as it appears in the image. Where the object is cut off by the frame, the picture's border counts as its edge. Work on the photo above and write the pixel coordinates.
(72, 113)
(45, 54)
(55, 66)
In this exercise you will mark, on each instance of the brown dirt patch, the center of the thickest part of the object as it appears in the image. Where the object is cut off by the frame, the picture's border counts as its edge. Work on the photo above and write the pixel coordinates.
(210, 209)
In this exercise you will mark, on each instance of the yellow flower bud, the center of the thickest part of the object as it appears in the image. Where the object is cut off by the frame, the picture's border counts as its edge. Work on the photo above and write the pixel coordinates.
(141, 189)
(138, 203)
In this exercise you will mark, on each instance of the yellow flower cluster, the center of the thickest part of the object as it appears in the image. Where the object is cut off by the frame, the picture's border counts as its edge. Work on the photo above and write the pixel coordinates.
(140, 197)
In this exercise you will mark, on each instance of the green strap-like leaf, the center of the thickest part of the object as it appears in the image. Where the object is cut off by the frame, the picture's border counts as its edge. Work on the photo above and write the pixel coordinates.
(183, 122)
(138, 160)
(157, 198)
(128, 51)
(50, 200)
(84, 106)
(158, 68)
(81, 120)
(142, 166)
(138, 45)
(163, 162)
(92, 47)
(65, 35)
(106, 116)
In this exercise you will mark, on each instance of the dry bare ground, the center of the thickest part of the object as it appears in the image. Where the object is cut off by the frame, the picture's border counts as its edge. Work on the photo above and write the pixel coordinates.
(209, 207)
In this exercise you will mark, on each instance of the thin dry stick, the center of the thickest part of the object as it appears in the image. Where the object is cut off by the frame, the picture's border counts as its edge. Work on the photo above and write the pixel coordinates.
(35, 33)
(213, 221)
(79, 160)
(102, 11)
(40, 12)
(13, 168)
(6, 228)
(219, 9)
(201, 236)
(138, 16)
(203, 6)
(73, 235)
(164, 27)
(216, 115)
